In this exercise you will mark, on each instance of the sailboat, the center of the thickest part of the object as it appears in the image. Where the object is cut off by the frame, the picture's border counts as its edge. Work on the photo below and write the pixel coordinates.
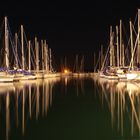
(117, 68)
(123, 71)
(109, 72)
(134, 71)
(17, 69)
(22, 73)
(49, 71)
(43, 63)
(5, 75)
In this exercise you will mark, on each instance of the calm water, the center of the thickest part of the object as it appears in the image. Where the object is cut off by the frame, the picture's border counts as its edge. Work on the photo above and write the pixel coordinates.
(70, 109)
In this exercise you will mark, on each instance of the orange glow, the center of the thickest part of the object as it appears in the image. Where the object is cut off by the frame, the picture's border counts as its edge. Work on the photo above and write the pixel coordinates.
(65, 71)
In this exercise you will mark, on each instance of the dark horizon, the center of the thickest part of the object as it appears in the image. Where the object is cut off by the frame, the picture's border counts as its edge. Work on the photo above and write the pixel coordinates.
(69, 27)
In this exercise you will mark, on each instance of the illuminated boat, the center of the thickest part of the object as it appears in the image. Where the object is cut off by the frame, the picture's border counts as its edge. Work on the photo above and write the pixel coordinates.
(22, 75)
(6, 77)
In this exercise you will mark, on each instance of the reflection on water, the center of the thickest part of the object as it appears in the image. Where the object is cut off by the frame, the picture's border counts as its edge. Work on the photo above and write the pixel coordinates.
(76, 104)
(123, 99)
(22, 99)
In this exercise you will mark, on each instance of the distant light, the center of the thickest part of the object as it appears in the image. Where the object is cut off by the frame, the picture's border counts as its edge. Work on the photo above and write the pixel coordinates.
(65, 71)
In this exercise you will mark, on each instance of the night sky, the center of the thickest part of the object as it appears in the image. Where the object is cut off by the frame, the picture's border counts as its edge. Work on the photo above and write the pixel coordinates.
(70, 27)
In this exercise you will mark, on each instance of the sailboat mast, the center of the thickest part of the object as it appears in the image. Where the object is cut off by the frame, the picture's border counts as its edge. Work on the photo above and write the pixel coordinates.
(37, 54)
(111, 57)
(131, 39)
(42, 49)
(6, 44)
(16, 51)
(117, 32)
(138, 51)
(113, 50)
(120, 43)
(50, 59)
(123, 54)
(22, 47)
(102, 54)
(29, 55)
(46, 55)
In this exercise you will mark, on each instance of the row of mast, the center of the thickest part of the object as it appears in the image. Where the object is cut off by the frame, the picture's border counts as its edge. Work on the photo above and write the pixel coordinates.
(119, 59)
(120, 50)
(45, 52)
(117, 50)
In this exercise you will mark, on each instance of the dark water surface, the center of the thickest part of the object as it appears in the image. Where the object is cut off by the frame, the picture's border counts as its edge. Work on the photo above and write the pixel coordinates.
(69, 109)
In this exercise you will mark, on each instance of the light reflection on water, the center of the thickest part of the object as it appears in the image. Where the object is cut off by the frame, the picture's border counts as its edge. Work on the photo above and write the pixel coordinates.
(123, 99)
(23, 101)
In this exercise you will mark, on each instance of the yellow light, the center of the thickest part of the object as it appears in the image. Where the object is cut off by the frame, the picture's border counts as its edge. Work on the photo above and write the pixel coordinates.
(65, 71)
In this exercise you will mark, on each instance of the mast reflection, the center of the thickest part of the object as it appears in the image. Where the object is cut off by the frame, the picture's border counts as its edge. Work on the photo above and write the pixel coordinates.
(7, 115)
(26, 100)
(123, 99)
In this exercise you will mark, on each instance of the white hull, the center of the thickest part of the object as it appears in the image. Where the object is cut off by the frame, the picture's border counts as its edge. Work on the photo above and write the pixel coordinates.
(109, 77)
(24, 77)
(5, 77)
(122, 76)
(133, 76)
(28, 77)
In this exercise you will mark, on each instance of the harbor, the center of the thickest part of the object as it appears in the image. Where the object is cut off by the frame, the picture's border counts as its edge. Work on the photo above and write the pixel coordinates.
(70, 70)
(121, 60)
(25, 61)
